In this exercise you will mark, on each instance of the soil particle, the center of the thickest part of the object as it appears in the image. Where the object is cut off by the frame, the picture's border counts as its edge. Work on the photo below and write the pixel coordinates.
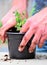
(6, 57)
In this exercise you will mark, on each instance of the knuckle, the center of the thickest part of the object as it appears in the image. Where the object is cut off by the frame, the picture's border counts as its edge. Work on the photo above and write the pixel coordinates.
(35, 42)
(31, 47)
(41, 30)
(34, 27)
(25, 39)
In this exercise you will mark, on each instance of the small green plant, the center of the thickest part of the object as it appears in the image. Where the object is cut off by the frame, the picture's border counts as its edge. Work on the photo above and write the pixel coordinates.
(33, 10)
(19, 20)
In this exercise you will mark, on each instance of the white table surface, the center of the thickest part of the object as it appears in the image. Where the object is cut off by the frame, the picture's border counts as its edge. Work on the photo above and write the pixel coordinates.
(22, 62)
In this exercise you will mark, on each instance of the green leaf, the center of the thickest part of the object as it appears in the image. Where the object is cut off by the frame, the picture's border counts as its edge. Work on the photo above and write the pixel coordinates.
(19, 20)
(20, 23)
(23, 22)
(17, 14)
(0, 24)
(17, 24)
(18, 28)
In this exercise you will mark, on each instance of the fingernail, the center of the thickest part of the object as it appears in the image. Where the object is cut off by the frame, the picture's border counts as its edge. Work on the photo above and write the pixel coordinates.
(30, 51)
(40, 46)
(21, 48)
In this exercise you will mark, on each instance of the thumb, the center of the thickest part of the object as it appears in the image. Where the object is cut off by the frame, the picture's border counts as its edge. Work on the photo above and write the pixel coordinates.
(25, 27)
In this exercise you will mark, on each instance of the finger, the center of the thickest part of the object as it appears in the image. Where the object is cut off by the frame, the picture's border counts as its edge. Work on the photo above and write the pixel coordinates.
(3, 38)
(43, 38)
(35, 41)
(26, 38)
(25, 27)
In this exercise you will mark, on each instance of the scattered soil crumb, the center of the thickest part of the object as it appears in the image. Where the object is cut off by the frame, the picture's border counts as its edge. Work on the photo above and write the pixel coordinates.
(6, 57)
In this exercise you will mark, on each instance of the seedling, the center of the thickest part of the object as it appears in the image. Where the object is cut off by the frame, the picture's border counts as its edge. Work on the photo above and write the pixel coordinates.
(19, 20)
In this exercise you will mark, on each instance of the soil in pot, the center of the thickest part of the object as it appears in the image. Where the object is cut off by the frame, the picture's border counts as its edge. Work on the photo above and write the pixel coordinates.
(14, 40)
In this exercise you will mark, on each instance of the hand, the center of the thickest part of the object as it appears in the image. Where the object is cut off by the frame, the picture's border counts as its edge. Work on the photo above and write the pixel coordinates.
(36, 26)
(9, 19)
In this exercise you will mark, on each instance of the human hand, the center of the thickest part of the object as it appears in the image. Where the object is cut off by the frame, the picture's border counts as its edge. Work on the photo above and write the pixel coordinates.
(36, 26)
(9, 21)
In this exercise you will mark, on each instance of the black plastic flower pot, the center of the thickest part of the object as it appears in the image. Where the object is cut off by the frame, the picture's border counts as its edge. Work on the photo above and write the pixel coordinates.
(14, 40)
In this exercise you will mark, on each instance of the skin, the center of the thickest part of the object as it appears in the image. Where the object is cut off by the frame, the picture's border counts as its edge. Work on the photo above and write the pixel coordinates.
(8, 20)
(36, 26)
(33, 25)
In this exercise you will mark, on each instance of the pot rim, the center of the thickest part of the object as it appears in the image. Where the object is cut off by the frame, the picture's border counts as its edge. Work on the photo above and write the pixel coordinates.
(14, 33)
